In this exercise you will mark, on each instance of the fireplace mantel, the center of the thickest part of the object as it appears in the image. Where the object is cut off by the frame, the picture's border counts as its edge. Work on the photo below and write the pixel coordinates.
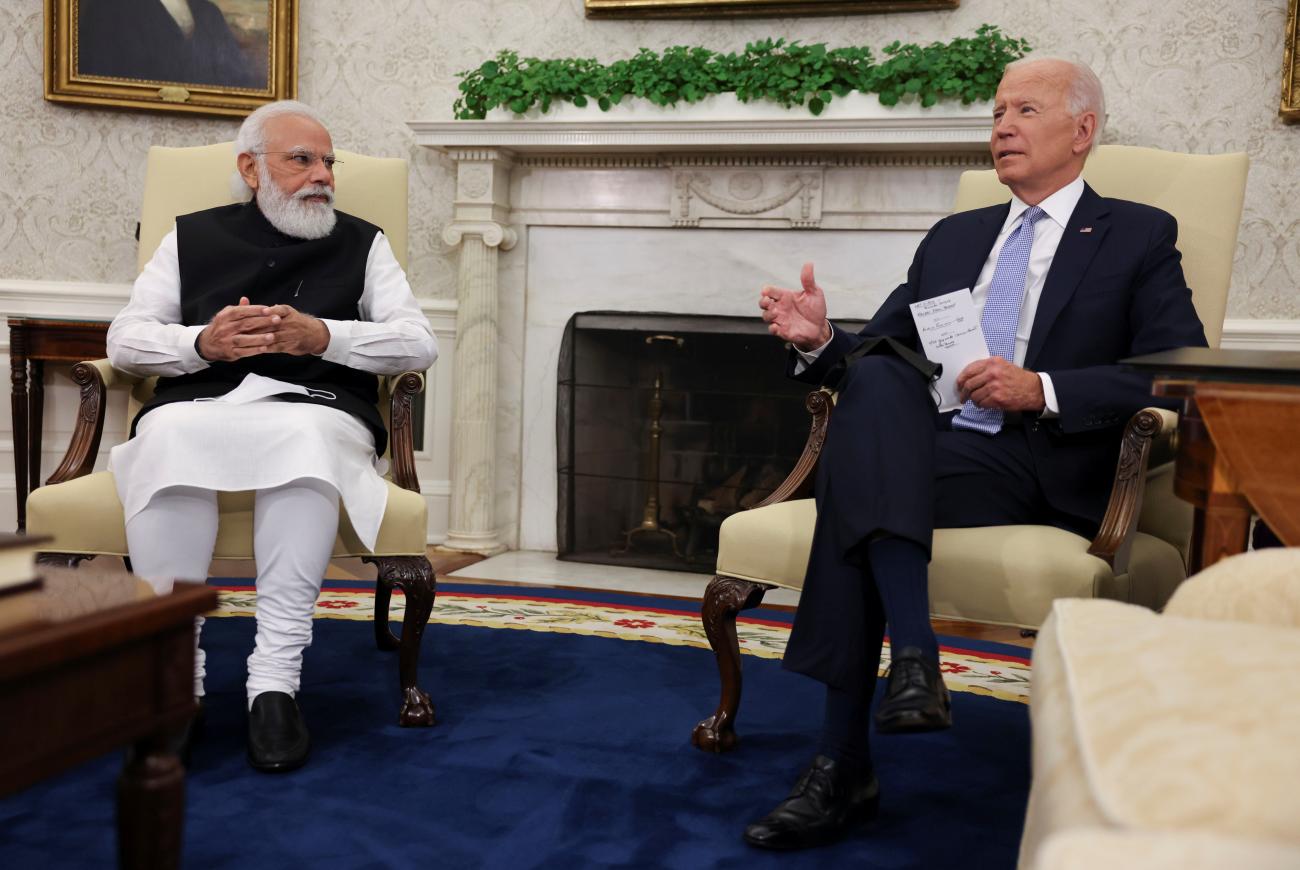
(580, 211)
(859, 126)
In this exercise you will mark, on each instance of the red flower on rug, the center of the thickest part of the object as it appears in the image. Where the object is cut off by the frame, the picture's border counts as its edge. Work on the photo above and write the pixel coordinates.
(634, 623)
(336, 605)
(952, 668)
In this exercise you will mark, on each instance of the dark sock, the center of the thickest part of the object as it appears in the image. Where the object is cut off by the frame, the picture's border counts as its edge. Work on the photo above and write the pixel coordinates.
(900, 569)
(846, 727)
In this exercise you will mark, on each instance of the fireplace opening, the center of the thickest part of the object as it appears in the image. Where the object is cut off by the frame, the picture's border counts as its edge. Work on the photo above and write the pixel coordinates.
(666, 425)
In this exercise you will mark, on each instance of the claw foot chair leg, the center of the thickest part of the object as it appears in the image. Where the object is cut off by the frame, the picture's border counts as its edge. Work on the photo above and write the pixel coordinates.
(415, 575)
(724, 598)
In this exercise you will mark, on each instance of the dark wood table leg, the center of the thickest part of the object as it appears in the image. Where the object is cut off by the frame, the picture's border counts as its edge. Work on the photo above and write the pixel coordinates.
(1220, 530)
(151, 805)
(35, 423)
(1221, 516)
(18, 405)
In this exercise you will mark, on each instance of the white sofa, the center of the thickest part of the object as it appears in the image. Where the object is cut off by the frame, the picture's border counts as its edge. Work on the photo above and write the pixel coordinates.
(1171, 740)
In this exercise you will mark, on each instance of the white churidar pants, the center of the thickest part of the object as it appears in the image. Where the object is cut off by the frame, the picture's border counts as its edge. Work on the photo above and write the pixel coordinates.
(294, 527)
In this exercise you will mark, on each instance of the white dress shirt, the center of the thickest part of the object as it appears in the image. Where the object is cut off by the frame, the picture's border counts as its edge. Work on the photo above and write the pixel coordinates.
(226, 446)
(1047, 238)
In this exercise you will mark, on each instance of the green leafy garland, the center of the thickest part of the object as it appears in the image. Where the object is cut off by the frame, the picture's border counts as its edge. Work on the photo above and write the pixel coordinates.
(788, 73)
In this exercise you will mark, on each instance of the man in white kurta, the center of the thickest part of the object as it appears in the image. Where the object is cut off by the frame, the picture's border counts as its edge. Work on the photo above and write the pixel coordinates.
(255, 393)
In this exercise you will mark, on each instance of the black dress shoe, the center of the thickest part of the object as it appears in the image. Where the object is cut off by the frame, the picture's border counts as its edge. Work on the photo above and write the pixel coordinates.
(277, 736)
(827, 802)
(915, 698)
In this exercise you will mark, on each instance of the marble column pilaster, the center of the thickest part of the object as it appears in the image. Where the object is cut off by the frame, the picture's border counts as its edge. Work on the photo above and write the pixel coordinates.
(480, 230)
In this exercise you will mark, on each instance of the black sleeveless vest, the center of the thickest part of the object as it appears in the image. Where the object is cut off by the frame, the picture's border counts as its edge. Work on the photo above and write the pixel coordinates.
(233, 251)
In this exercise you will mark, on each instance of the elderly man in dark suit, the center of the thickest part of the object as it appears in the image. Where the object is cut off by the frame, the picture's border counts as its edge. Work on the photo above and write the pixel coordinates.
(1067, 283)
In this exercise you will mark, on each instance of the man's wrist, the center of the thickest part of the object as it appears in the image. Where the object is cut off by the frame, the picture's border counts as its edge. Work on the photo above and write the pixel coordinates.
(198, 347)
(323, 344)
(823, 338)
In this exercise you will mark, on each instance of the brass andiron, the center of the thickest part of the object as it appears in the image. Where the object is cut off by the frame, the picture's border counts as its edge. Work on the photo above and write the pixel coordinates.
(650, 512)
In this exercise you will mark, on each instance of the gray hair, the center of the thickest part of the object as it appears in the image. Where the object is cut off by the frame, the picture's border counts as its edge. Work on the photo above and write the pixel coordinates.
(252, 136)
(1084, 94)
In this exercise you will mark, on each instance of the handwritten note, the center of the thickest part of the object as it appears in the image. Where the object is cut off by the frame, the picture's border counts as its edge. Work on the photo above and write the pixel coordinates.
(950, 332)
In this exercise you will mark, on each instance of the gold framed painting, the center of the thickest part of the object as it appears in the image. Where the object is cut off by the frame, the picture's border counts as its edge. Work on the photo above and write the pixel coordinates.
(1291, 64)
(753, 8)
(209, 57)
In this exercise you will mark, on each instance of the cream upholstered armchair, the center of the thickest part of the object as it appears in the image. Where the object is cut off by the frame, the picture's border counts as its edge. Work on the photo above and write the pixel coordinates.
(79, 509)
(1010, 575)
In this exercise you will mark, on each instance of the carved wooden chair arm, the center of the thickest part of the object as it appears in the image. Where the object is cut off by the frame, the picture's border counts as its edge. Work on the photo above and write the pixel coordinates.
(1114, 539)
(798, 483)
(93, 377)
(401, 428)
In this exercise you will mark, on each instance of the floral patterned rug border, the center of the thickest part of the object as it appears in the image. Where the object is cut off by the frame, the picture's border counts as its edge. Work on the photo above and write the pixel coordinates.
(965, 670)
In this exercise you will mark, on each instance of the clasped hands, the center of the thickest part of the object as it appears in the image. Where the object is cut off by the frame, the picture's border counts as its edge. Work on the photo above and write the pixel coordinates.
(242, 330)
(799, 317)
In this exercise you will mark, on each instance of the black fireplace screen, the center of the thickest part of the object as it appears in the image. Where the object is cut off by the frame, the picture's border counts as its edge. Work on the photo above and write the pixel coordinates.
(666, 425)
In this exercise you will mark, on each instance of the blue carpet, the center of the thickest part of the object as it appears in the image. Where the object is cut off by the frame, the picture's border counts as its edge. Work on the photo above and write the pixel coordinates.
(552, 750)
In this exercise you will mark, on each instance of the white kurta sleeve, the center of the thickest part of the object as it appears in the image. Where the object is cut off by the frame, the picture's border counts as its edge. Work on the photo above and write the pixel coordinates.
(392, 334)
(147, 336)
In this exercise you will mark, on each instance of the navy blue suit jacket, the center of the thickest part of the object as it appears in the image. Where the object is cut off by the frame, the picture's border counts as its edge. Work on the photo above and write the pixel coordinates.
(1114, 291)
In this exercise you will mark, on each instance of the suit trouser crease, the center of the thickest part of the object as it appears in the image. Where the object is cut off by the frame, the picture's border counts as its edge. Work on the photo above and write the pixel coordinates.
(294, 528)
(893, 466)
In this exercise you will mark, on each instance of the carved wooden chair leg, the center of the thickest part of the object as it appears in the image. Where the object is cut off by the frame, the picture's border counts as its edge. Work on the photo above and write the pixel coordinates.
(62, 560)
(415, 575)
(384, 637)
(724, 598)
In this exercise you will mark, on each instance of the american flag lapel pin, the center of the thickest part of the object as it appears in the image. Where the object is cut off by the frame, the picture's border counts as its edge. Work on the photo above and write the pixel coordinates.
(1085, 229)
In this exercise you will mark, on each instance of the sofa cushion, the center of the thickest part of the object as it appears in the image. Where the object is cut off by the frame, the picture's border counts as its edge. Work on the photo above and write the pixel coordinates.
(1262, 586)
(1090, 848)
(1164, 724)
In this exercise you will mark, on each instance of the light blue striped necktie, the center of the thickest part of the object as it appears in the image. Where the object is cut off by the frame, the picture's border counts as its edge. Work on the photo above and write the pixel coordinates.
(1001, 314)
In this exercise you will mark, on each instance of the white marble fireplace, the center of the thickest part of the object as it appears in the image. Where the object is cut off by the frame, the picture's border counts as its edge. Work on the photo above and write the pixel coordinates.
(670, 215)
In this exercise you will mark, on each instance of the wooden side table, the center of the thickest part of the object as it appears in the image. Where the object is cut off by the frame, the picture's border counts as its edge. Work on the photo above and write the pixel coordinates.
(103, 667)
(32, 343)
(1236, 443)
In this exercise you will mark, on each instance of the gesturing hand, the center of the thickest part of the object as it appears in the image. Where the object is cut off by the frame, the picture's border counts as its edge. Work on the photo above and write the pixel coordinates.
(236, 332)
(798, 317)
(996, 383)
(296, 333)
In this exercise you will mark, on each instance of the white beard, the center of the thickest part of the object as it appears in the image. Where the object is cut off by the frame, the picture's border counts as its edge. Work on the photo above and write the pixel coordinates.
(291, 214)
